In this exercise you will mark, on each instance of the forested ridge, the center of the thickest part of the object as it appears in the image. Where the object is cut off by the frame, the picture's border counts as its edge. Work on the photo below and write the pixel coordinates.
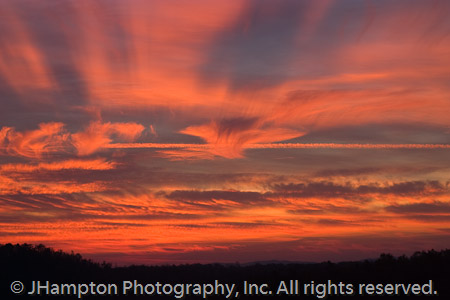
(27, 262)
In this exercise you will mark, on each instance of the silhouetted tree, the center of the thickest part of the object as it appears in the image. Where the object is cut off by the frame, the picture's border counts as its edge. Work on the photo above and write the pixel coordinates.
(27, 262)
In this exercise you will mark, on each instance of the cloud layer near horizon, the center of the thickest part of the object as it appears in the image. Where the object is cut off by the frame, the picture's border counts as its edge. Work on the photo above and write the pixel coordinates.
(226, 90)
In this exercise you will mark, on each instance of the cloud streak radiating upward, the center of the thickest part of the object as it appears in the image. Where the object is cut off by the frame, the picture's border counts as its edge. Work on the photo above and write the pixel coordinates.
(150, 131)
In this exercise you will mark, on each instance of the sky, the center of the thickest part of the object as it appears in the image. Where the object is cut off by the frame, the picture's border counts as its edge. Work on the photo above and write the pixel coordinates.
(197, 131)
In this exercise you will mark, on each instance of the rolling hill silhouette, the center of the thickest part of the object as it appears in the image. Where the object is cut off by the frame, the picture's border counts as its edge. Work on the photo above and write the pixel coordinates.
(28, 263)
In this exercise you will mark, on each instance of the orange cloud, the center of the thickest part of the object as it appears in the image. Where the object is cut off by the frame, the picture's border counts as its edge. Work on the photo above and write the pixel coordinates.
(54, 138)
(71, 164)
(13, 187)
(229, 137)
(97, 135)
(22, 63)
(205, 220)
(50, 137)
(321, 107)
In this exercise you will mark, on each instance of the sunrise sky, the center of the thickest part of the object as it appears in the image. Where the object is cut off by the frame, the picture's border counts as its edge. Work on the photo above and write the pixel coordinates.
(151, 131)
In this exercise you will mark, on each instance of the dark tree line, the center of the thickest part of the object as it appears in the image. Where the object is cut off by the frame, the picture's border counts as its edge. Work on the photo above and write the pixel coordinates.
(36, 262)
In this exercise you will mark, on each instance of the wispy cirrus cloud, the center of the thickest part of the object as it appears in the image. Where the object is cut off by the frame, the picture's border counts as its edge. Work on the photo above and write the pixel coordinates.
(71, 164)
(331, 189)
(435, 207)
(229, 137)
(51, 138)
(97, 135)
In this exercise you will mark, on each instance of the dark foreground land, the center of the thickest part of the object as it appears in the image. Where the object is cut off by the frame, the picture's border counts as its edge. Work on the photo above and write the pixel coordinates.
(424, 275)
